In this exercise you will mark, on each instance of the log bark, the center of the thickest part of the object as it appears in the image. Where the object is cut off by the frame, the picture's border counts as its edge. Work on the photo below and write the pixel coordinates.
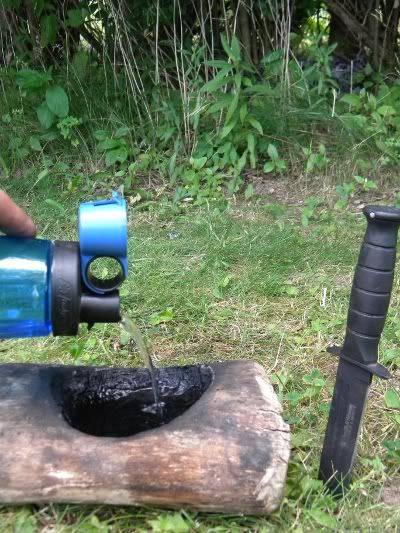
(228, 452)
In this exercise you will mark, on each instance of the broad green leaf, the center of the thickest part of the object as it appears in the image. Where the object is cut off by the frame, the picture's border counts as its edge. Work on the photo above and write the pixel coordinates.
(221, 79)
(224, 100)
(238, 80)
(269, 167)
(45, 116)
(32, 79)
(235, 47)
(169, 523)
(226, 281)
(292, 291)
(256, 125)
(232, 53)
(118, 155)
(353, 122)
(228, 128)
(109, 144)
(293, 397)
(246, 81)
(351, 99)
(101, 135)
(233, 155)
(323, 518)
(42, 174)
(76, 17)
(34, 143)
(251, 142)
(242, 161)
(314, 378)
(232, 107)
(48, 30)
(57, 101)
(249, 191)
(273, 152)
(122, 132)
(164, 316)
(198, 163)
(392, 399)
(386, 110)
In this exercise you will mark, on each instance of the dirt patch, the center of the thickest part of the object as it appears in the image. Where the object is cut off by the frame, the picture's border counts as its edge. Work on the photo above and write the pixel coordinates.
(391, 493)
(294, 190)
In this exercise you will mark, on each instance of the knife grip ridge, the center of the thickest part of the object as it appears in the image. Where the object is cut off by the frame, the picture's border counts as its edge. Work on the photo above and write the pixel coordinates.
(372, 284)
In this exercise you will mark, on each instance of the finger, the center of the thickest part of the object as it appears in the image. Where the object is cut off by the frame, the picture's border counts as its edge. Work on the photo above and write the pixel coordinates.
(13, 220)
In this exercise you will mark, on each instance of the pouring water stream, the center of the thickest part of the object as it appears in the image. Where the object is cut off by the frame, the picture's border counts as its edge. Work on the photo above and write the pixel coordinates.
(134, 333)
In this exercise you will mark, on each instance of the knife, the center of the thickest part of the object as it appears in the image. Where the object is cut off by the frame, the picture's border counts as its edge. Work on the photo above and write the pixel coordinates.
(358, 358)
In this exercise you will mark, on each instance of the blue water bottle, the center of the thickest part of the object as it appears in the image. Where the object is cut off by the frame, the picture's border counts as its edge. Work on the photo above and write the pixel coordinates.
(47, 286)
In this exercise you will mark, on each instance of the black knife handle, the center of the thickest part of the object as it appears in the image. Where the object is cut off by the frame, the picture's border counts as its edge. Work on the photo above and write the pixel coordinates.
(372, 285)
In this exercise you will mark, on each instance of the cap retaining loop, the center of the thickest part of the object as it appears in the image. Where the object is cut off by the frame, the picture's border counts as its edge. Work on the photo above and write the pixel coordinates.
(103, 232)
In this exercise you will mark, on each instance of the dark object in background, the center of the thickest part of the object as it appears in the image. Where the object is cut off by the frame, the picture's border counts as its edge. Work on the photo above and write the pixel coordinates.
(344, 70)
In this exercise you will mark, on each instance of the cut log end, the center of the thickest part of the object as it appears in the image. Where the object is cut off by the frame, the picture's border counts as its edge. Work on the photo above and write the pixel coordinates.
(226, 450)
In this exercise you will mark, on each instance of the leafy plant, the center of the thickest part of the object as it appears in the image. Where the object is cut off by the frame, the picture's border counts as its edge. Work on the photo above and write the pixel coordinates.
(276, 164)
(231, 93)
(169, 522)
(376, 117)
(392, 399)
(114, 147)
(366, 184)
(316, 160)
(163, 316)
(345, 191)
(220, 290)
(309, 212)
(393, 449)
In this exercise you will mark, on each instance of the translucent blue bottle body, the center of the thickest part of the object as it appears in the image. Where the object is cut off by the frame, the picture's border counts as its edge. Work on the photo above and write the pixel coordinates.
(25, 287)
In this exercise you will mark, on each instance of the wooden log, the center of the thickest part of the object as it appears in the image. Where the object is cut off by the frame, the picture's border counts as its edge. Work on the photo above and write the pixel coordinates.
(227, 452)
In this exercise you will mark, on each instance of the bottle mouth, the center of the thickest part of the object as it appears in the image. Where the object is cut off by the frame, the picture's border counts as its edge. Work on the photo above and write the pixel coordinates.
(113, 402)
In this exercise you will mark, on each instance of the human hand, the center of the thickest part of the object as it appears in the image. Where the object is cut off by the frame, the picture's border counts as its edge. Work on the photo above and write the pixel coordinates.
(13, 220)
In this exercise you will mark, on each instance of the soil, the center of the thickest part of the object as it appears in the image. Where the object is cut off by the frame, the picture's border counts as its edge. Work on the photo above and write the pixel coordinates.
(391, 493)
(294, 191)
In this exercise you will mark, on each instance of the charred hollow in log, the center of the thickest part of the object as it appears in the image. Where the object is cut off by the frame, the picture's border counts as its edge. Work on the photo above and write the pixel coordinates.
(112, 402)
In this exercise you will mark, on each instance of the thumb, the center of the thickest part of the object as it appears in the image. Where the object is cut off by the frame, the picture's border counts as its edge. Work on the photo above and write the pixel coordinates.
(13, 219)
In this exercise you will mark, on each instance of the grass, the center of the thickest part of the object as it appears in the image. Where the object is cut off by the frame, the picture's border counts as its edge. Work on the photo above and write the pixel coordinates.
(250, 282)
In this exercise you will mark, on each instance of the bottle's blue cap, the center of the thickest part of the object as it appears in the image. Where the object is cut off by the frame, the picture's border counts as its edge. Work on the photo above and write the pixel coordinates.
(103, 232)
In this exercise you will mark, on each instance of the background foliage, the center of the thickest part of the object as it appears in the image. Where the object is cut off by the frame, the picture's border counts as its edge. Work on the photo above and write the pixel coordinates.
(200, 93)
